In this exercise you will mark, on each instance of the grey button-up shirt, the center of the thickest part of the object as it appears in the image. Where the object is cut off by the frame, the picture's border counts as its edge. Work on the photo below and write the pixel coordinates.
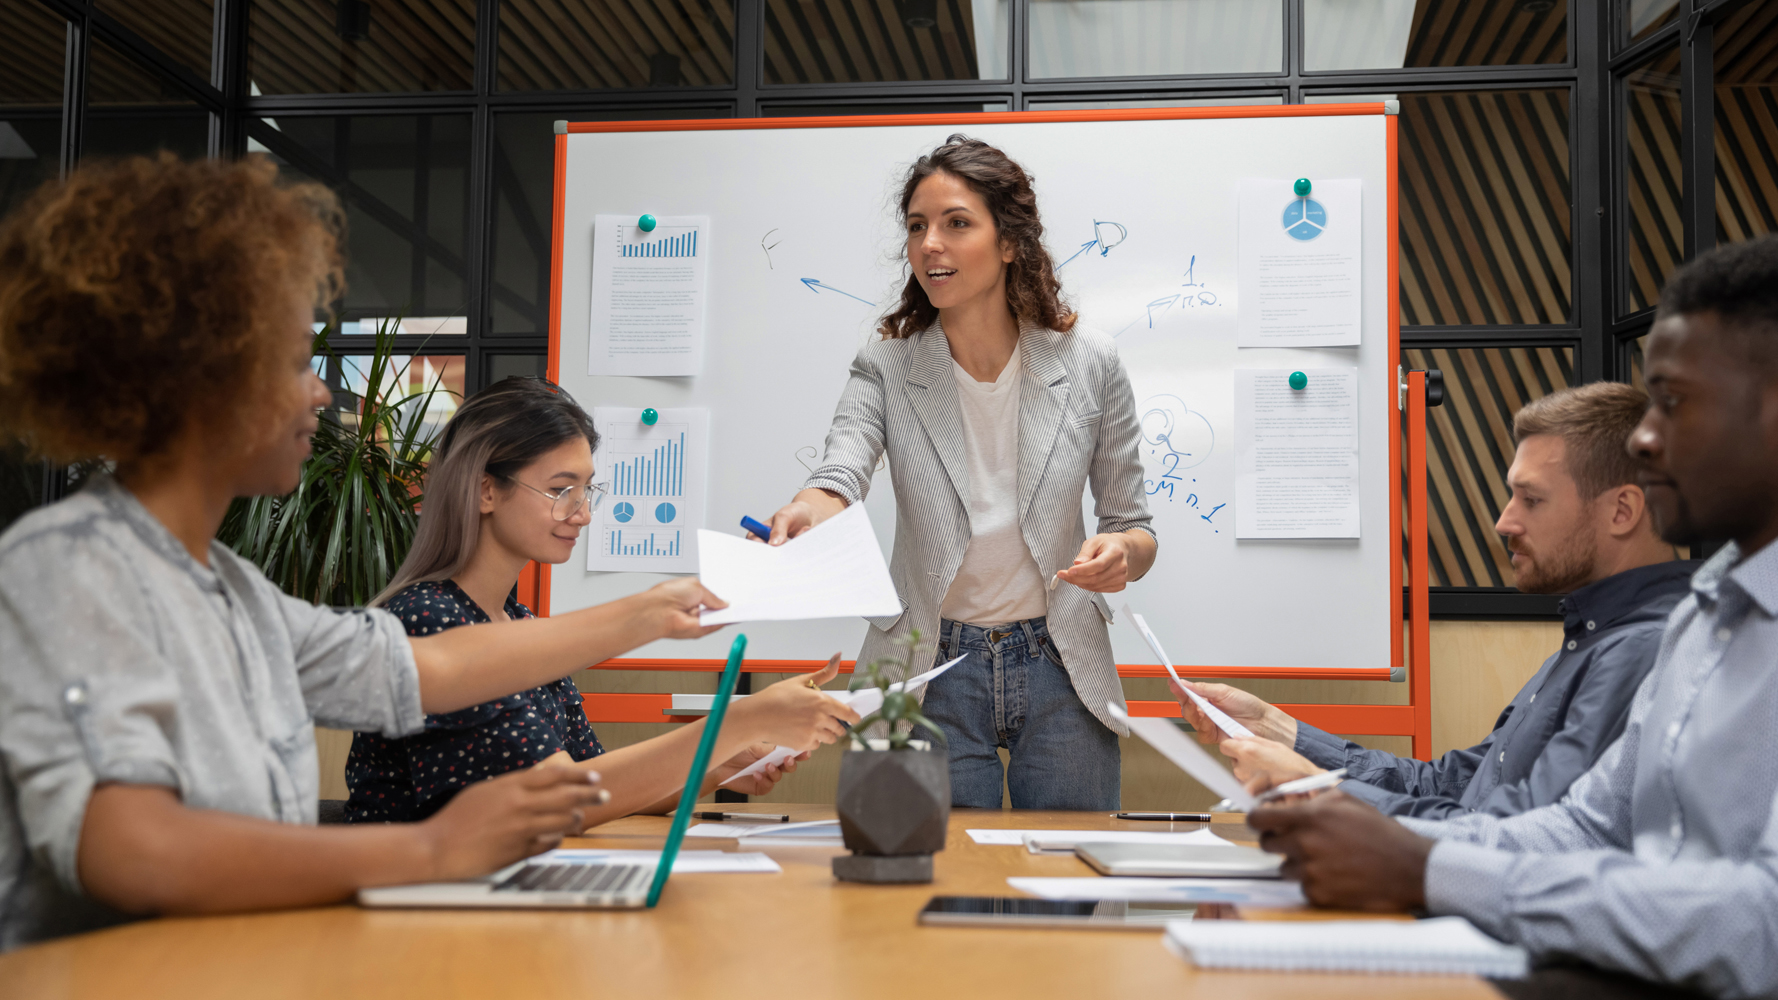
(1557, 726)
(126, 660)
(1663, 859)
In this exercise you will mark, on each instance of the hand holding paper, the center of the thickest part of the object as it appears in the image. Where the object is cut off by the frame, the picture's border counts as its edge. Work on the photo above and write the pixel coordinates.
(1191, 758)
(1222, 719)
(833, 570)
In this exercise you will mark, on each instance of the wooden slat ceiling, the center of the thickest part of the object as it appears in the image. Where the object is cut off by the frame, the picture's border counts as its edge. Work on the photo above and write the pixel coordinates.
(413, 45)
(1654, 237)
(574, 44)
(849, 41)
(30, 54)
(1747, 123)
(1487, 33)
(1485, 208)
(181, 29)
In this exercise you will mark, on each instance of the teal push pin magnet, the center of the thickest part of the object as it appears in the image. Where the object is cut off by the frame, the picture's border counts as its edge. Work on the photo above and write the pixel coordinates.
(1297, 381)
(647, 222)
(650, 415)
(1302, 188)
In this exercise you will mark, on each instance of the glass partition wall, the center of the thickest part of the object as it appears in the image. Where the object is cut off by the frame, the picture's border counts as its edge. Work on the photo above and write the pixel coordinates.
(1558, 157)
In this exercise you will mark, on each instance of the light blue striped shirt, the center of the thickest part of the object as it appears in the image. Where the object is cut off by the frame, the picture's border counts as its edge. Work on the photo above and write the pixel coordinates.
(1662, 860)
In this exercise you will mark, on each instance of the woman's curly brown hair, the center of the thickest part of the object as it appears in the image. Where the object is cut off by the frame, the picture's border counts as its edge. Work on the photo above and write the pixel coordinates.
(137, 294)
(1033, 292)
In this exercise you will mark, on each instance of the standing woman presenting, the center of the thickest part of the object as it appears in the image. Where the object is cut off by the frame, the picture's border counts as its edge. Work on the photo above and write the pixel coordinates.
(995, 411)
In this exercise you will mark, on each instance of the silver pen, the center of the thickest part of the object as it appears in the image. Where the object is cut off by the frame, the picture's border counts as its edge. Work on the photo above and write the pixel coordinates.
(1313, 782)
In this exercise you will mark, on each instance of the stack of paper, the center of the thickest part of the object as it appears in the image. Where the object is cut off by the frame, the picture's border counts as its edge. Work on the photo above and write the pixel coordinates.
(833, 570)
(1265, 893)
(1448, 946)
(815, 833)
(1063, 841)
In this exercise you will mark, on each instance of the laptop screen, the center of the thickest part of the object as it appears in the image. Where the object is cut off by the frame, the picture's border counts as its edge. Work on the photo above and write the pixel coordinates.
(700, 763)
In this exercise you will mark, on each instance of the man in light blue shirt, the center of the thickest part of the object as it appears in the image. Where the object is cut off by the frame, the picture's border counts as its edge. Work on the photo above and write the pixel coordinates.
(1662, 860)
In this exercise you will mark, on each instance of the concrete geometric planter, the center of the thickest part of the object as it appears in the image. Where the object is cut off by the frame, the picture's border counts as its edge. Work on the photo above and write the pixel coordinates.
(894, 806)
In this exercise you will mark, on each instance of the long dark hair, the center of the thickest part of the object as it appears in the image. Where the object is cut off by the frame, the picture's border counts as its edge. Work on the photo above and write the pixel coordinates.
(1033, 292)
(499, 431)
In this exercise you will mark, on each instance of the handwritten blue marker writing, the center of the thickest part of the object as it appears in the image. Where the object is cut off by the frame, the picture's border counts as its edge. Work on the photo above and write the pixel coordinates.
(764, 531)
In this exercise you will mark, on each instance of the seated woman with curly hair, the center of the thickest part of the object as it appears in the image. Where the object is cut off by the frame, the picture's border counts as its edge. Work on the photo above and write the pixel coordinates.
(157, 703)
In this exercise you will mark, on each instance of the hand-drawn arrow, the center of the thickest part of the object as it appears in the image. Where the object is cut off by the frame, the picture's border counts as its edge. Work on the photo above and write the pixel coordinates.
(1084, 247)
(814, 284)
(1104, 248)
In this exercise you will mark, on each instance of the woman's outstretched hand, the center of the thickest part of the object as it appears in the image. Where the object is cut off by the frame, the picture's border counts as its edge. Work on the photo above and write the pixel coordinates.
(675, 605)
(809, 508)
(791, 713)
(1102, 566)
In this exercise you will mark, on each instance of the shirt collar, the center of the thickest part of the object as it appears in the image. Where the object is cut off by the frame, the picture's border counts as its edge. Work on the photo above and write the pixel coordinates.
(1603, 602)
(121, 502)
(1756, 576)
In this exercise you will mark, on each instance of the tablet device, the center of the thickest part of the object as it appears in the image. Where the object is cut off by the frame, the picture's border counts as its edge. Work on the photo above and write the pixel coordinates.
(1179, 860)
(1021, 911)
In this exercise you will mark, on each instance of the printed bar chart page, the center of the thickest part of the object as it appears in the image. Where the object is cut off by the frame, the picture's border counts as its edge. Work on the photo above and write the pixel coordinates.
(656, 476)
(648, 295)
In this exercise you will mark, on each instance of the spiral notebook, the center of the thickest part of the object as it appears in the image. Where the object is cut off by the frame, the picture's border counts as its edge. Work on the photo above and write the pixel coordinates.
(1448, 946)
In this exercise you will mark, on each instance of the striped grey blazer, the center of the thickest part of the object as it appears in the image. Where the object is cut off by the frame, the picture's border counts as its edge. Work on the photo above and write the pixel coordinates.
(1077, 424)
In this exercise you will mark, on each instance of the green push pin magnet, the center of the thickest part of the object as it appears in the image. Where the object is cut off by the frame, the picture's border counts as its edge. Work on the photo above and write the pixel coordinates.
(1301, 187)
(1297, 380)
(650, 415)
(647, 222)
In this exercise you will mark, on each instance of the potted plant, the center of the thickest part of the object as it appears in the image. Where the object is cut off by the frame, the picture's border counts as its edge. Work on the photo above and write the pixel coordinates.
(338, 537)
(894, 797)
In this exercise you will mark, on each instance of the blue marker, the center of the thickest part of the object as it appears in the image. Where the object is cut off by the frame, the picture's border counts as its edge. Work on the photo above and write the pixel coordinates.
(763, 531)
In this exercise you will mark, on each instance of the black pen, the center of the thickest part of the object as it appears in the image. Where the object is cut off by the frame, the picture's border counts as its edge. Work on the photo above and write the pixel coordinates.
(1165, 817)
(722, 817)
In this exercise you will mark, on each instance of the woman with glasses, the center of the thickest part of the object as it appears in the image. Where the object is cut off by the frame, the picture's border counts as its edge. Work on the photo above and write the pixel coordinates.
(512, 483)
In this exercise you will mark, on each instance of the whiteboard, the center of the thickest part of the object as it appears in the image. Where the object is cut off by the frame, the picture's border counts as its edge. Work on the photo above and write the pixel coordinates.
(1140, 213)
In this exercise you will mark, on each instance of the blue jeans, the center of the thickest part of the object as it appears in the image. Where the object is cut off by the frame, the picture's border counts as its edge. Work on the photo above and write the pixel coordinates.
(1012, 691)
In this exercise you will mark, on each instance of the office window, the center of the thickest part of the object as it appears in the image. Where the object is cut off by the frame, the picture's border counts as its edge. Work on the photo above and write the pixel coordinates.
(878, 108)
(1469, 447)
(1747, 123)
(1221, 100)
(360, 46)
(404, 180)
(870, 41)
(408, 376)
(524, 193)
(181, 29)
(132, 111)
(1485, 208)
(1392, 34)
(1654, 237)
(600, 44)
(502, 366)
(30, 99)
(1088, 38)
(1639, 19)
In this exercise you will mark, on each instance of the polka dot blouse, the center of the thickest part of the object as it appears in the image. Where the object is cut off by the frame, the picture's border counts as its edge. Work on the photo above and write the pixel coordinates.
(409, 779)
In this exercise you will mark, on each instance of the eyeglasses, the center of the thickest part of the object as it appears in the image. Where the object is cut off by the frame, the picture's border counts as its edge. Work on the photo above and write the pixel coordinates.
(567, 501)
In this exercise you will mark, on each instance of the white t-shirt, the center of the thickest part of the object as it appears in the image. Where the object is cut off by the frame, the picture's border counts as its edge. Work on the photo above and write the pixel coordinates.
(999, 581)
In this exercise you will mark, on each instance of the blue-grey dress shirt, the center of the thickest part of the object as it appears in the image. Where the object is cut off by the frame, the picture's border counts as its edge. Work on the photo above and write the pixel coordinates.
(1662, 860)
(1557, 726)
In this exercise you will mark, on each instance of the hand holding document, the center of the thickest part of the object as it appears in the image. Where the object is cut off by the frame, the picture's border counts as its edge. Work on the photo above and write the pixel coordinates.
(1191, 758)
(864, 702)
(833, 570)
(1222, 719)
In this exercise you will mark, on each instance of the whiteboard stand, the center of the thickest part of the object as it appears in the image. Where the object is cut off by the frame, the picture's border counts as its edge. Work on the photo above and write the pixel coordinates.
(1413, 719)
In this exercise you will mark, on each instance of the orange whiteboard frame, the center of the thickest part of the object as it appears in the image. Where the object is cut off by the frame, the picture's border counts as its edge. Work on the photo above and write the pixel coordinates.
(1413, 719)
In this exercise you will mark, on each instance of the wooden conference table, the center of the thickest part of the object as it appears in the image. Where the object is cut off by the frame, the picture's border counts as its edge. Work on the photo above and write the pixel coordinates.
(730, 936)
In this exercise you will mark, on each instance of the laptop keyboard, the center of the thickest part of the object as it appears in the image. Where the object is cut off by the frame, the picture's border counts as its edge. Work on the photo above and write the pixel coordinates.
(575, 878)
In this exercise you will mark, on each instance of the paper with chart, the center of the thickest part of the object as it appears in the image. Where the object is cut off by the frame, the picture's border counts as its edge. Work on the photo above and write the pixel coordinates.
(1165, 737)
(863, 701)
(655, 474)
(1222, 719)
(1300, 264)
(1296, 453)
(649, 296)
(833, 570)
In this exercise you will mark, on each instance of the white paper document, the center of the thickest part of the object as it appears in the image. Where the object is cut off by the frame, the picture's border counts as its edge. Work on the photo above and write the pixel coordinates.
(833, 570)
(864, 702)
(1447, 946)
(655, 475)
(1300, 264)
(815, 833)
(1268, 893)
(648, 299)
(1174, 745)
(1222, 719)
(1063, 841)
(1296, 453)
(687, 863)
